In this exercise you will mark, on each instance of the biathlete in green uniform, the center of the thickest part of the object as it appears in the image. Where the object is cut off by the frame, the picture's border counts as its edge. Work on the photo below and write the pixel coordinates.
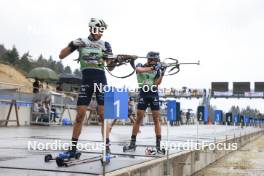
(149, 76)
(91, 56)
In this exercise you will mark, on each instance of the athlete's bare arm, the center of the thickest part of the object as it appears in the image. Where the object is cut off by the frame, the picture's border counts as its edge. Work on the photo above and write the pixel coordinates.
(65, 52)
(158, 80)
(143, 69)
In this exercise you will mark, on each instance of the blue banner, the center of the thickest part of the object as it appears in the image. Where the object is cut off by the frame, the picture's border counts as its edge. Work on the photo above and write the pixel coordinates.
(116, 103)
(236, 118)
(206, 114)
(246, 119)
(171, 110)
(218, 115)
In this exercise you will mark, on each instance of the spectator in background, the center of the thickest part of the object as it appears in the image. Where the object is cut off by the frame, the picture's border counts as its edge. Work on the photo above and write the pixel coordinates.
(47, 99)
(59, 87)
(180, 118)
(47, 85)
(36, 86)
(188, 115)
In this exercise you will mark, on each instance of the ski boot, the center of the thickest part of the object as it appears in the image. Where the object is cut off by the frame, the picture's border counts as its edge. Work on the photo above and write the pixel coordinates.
(160, 151)
(107, 157)
(129, 148)
(66, 156)
(154, 151)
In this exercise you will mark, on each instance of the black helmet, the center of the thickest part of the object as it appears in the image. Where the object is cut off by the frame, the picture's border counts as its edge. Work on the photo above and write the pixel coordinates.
(154, 56)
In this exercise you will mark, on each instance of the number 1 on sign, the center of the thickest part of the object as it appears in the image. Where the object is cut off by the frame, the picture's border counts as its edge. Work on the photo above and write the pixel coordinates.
(117, 104)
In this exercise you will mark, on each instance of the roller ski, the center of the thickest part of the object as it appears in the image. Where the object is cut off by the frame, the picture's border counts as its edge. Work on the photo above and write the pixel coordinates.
(64, 163)
(154, 151)
(63, 156)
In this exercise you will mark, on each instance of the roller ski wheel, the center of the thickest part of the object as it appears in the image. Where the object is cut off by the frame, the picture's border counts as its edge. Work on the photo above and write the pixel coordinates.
(48, 157)
(60, 162)
(129, 148)
(78, 155)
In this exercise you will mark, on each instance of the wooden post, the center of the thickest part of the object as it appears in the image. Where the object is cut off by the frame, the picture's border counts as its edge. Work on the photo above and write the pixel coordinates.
(13, 102)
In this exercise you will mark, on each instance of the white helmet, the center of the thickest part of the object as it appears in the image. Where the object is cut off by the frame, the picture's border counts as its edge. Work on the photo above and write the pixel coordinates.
(95, 22)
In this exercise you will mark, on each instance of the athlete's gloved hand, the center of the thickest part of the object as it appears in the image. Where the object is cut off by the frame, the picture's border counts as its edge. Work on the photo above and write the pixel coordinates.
(156, 67)
(78, 43)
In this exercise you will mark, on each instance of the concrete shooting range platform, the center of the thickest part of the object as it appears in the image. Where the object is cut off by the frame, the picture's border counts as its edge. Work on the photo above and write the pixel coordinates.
(16, 159)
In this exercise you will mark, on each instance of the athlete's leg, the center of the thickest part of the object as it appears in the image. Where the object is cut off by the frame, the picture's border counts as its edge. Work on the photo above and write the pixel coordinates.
(83, 101)
(132, 120)
(141, 107)
(154, 105)
(101, 115)
(136, 125)
(112, 124)
(77, 127)
(156, 119)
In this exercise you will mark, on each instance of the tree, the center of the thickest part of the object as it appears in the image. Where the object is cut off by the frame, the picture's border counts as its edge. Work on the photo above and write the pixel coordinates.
(11, 56)
(250, 112)
(77, 72)
(67, 70)
(52, 64)
(24, 63)
(59, 67)
(42, 62)
(234, 110)
(2, 50)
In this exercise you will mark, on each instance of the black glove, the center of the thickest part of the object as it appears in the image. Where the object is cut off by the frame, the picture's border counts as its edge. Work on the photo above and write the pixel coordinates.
(78, 43)
(156, 67)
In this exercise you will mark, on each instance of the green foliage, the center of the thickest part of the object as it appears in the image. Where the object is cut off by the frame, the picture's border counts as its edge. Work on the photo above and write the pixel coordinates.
(11, 56)
(2, 51)
(248, 111)
(77, 72)
(26, 63)
(68, 70)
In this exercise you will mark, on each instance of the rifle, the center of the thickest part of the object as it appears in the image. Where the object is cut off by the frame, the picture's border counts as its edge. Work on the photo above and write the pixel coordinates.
(174, 65)
(122, 59)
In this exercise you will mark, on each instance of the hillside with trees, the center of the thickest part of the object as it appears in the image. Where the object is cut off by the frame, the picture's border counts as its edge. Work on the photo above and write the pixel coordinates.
(25, 62)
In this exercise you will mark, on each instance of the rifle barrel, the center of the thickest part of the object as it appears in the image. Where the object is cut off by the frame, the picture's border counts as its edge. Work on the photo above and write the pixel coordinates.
(190, 63)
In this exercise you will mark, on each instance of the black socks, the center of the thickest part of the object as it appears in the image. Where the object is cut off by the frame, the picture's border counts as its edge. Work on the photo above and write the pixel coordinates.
(158, 139)
(133, 140)
(74, 144)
